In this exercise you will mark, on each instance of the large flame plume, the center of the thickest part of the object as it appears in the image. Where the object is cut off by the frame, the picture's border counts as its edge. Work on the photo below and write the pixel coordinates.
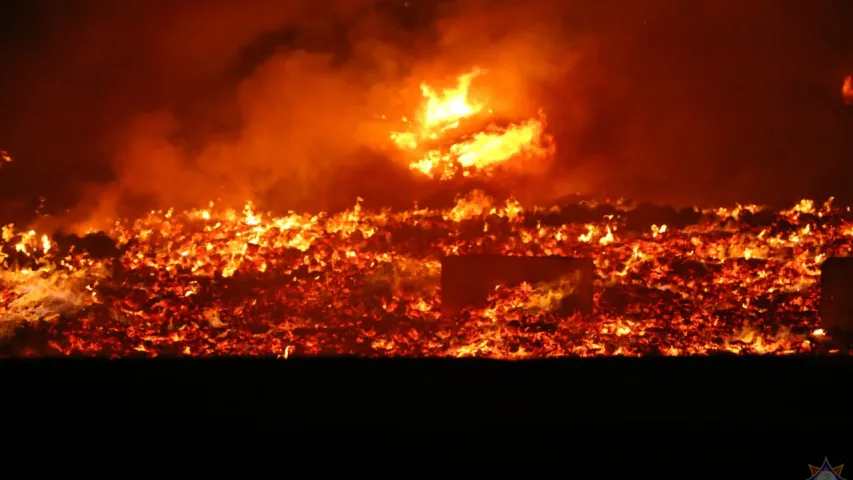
(445, 153)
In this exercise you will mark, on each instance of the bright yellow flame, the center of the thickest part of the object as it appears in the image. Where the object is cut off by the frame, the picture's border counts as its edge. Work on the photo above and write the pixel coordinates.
(443, 155)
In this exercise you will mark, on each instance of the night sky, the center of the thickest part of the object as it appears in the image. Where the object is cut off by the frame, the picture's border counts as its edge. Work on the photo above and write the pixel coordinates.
(709, 101)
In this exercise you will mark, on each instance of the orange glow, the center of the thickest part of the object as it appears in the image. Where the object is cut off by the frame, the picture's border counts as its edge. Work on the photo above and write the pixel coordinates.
(444, 149)
(847, 90)
(218, 281)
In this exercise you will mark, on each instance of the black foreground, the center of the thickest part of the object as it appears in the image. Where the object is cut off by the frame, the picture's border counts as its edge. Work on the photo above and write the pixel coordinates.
(797, 393)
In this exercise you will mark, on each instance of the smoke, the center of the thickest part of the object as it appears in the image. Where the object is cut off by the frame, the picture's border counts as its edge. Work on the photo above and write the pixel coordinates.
(245, 100)
(299, 123)
(712, 102)
(141, 103)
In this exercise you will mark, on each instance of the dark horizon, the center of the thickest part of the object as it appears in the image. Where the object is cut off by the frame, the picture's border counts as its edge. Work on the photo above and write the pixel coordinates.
(707, 103)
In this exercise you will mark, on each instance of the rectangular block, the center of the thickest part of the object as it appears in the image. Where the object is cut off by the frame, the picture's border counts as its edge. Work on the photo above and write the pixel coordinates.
(468, 280)
(836, 301)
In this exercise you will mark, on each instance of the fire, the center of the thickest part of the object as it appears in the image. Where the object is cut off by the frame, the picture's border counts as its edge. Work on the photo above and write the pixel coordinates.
(847, 90)
(444, 149)
(4, 157)
(220, 281)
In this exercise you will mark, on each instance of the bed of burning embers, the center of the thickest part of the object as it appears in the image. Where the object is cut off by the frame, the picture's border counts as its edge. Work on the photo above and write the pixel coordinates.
(213, 282)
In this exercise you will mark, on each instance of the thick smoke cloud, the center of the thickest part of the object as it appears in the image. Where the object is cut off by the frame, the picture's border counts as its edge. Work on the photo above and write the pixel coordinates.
(175, 102)
(718, 101)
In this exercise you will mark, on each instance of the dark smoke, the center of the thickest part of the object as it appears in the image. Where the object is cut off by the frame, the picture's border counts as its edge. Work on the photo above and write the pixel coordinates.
(724, 101)
(176, 102)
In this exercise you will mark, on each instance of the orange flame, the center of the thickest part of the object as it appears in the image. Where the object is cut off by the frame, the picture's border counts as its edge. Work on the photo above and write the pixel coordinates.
(305, 280)
(847, 90)
(441, 114)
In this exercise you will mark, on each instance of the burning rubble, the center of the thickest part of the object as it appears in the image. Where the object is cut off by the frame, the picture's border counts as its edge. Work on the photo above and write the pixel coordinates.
(225, 281)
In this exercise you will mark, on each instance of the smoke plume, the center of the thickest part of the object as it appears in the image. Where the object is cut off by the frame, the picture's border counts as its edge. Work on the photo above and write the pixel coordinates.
(111, 107)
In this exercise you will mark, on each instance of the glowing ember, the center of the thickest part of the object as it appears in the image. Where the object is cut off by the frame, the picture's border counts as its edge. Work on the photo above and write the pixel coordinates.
(222, 282)
(444, 150)
(4, 157)
(847, 90)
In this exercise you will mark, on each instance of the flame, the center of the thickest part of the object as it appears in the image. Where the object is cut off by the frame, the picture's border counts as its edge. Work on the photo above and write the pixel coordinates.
(847, 90)
(219, 281)
(443, 150)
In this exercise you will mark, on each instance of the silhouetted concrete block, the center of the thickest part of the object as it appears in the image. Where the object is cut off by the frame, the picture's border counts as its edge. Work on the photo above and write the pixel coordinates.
(468, 280)
(836, 302)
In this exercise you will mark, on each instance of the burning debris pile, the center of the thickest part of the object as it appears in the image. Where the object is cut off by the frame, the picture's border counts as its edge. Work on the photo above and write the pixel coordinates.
(221, 281)
(224, 282)
(445, 143)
